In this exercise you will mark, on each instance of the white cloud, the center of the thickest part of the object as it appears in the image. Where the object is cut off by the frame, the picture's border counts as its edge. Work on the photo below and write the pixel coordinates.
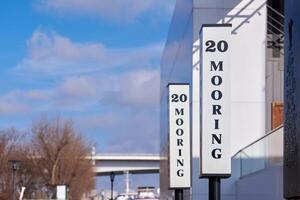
(90, 72)
(10, 103)
(77, 87)
(36, 95)
(7, 108)
(140, 132)
(130, 103)
(116, 10)
(137, 88)
(25, 95)
(132, 132)
(134, 89)
(107, 119)
(93, 80)
(51, 53)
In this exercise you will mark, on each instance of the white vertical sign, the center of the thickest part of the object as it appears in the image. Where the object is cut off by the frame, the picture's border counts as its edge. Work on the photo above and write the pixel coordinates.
(61, 192)
(179, 136)
(215, 152)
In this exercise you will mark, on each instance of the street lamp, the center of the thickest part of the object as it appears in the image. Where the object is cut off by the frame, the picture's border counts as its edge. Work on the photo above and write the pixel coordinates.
(14, 166)
(112, 178)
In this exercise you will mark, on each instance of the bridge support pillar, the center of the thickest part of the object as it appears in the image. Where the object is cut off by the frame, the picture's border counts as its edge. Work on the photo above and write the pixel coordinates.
(127, 182)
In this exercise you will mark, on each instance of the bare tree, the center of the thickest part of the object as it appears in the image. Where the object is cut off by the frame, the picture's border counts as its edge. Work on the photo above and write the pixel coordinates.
(58, 155)
(9, 148)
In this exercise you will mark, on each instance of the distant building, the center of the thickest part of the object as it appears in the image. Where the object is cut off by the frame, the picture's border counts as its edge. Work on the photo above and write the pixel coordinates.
(146, 193)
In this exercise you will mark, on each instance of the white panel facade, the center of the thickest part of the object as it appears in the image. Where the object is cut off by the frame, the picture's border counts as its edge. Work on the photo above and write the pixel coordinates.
(180, 63)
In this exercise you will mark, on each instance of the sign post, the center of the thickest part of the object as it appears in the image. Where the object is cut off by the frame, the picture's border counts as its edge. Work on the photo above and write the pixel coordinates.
(178, 194)
(179, 139)
(215, 157)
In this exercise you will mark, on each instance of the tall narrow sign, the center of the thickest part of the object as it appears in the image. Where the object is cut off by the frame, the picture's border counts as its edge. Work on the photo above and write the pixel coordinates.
(215, 101)
(179, 136)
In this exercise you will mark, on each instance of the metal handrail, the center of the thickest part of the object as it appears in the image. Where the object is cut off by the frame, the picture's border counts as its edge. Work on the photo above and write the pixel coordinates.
(259, 139)
(275, 11)
(275, 24)
(245, 154)
(275, 20)
(276, 28)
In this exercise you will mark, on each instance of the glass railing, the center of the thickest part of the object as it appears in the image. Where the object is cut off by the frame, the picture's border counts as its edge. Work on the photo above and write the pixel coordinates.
(262, 153)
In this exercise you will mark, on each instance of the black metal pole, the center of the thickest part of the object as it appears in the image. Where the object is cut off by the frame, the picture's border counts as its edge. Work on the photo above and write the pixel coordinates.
(13, 184)
(214, 188)
(178, 194)
(112, 190)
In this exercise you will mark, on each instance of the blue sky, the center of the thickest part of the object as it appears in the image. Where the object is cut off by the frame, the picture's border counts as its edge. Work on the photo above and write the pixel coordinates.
(94, 61)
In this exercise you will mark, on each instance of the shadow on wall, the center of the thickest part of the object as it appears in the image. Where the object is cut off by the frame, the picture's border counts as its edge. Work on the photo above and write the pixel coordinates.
(246, 18)
(249, 181)
(230, 18)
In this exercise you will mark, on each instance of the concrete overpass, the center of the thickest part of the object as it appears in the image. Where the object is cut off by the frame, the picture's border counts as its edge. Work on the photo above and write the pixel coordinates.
(125, 163)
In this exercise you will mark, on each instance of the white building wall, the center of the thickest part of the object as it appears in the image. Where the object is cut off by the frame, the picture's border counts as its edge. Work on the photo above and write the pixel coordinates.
(247, 66)
(274, 84)
(180, 63)
(262, 185)
(247, 78)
